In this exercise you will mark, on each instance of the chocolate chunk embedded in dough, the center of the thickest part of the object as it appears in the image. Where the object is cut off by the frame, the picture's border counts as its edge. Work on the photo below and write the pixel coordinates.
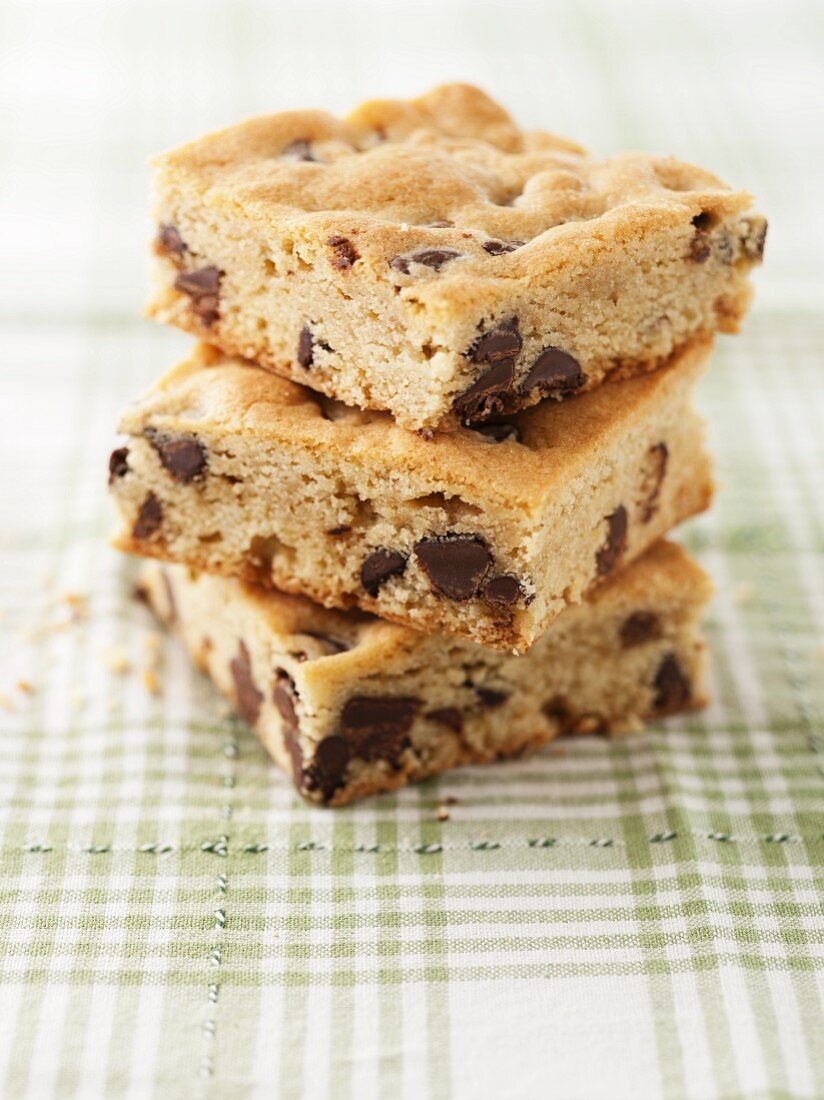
(379, 566)
(247, 697)
(616, 543)
(455, 564)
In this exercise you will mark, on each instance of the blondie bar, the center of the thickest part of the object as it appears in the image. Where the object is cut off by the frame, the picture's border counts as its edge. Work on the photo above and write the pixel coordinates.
(349, 705)
(431, 259)
(486, 534)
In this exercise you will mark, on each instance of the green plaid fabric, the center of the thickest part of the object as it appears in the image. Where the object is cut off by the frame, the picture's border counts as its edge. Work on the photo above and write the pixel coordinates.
(602, 922)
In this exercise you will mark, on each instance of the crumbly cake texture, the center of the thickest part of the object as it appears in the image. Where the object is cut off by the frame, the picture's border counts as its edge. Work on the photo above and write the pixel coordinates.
(485, 534)
(350, 705)
(431, 259)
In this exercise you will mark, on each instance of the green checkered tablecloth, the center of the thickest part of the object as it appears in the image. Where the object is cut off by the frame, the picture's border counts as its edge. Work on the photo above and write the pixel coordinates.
(605, 921)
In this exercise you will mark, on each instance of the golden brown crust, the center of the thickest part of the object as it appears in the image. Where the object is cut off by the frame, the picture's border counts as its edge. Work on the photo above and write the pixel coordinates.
(585, 675)
(555, 439)
(399, 238)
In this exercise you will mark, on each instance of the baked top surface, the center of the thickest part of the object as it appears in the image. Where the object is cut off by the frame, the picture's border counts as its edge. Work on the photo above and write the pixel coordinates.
(213, 396)
(395, 171)
(664, 574)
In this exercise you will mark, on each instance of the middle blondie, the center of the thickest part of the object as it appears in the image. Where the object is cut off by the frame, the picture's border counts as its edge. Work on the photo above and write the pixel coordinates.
(486, 534)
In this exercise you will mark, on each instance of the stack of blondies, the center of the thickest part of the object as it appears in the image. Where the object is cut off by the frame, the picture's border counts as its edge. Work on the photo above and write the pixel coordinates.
(410, 494)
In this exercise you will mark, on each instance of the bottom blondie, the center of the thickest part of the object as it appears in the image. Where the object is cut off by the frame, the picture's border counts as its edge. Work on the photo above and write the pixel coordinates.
(351, 705)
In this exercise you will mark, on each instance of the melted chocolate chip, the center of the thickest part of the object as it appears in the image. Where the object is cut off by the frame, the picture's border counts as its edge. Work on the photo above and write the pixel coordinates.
(118, 463)
(554, 372)
(343, 253)
(183, 456)
(203, 287)
(427, 257)
(502, 342)
(450, 717)
(149, 518)
(655, 469)
(379, 566)
(498, 248)
(499, 432)
(490, 697)
(455, 564)
(170, 241)
(672, 688)
(306, 347)
(504, 590)
(376, 725)
(247, 697)
(326, 772)
(298, 150)
(607, 557)
(641, 626)
(488, 395)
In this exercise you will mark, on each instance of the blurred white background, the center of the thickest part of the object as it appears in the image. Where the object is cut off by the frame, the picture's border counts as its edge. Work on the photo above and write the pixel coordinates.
(91, 87)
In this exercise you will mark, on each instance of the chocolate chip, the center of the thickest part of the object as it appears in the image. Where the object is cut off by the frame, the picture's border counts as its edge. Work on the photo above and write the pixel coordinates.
(247, 697)
(340, 529)
(203, 287)
(554, 372)
(326, 772)
(298, 150)
(655, 469)
(641, 626)
(504, 590)
(427, 257)
(498, 248)
(306, 347)
(450, 717)
(455, 564)
(169, 240)
(379, 566)
(344, 253)
(616, 543)
(701, 244)
(284, 696)
(700, 247)
(557, 711)
(488, 395)
(704, 220)
(149, 518)
(500, 432)
(118, 463)
(502, 342)
(376, 725)
(491, 698)
(672, 688)
(183, 456)
(754, 239)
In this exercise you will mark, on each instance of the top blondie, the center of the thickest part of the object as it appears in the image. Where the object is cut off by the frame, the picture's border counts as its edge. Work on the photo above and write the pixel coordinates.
(431, 259)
